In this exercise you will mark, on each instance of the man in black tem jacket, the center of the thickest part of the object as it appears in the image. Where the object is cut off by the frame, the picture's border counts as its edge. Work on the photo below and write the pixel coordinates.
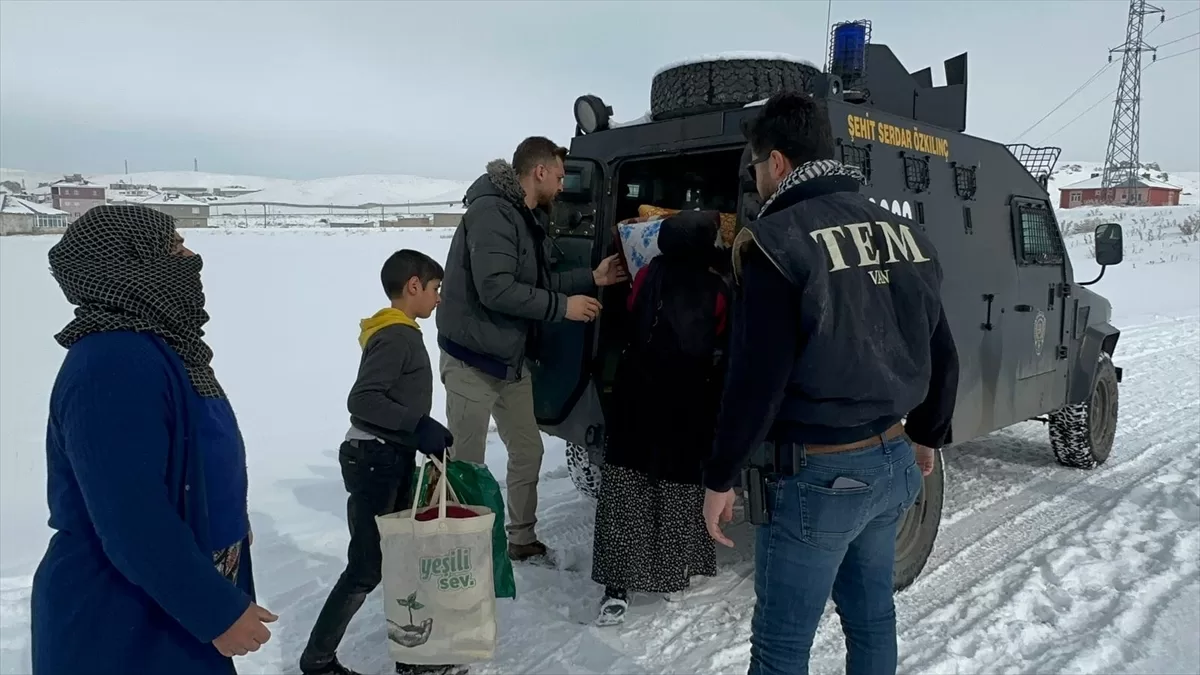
(842, 361)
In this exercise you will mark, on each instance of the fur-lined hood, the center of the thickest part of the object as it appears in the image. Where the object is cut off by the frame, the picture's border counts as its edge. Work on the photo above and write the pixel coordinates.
(499, 180)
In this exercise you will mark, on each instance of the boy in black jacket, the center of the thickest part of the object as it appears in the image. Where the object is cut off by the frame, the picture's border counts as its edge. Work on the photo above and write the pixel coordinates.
(389, 423)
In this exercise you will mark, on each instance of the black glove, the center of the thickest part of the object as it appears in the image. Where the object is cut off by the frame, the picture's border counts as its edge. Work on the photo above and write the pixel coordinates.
(432, 437)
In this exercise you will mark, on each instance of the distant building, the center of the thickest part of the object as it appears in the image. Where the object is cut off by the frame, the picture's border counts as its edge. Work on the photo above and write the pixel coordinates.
(189, 191)
(406, 221)
(1149, 192)
(21, 216)
(233, 191)
(76, 196)
(186, 211)
(122, 186)
(447, 219)
(129, 195)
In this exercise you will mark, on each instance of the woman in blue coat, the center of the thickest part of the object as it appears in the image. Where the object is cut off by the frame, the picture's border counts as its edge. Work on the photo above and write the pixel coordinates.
(149, 568)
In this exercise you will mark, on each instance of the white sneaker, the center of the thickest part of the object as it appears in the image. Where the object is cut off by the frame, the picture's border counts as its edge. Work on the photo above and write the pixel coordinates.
(612, 612)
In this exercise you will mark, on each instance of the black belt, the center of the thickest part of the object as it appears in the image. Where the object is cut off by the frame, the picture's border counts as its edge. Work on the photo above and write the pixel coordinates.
(362, 443)
(490, 366)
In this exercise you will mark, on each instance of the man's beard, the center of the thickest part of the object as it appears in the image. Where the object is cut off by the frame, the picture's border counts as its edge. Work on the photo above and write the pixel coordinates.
(770, 190)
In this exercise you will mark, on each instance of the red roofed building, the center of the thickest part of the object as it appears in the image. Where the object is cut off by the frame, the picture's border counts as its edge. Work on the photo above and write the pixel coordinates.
(1150, 192)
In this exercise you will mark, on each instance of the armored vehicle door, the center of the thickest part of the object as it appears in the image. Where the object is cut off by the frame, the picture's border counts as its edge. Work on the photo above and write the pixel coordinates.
(561, 369)
(1035, 329)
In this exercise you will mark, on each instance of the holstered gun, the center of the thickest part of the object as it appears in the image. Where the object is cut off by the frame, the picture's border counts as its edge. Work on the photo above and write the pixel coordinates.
(754, 492)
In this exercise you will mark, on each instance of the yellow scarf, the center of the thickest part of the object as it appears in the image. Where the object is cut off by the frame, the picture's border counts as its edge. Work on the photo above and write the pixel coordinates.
(388, 316)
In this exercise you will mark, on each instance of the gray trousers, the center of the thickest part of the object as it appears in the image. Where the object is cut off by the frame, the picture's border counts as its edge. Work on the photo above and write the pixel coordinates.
(472, 398)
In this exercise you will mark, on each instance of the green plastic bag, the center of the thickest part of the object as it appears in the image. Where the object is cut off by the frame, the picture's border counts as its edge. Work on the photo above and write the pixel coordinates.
(474, 485)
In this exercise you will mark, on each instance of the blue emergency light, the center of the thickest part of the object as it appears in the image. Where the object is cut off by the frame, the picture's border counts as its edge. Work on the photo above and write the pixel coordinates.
(848, 51)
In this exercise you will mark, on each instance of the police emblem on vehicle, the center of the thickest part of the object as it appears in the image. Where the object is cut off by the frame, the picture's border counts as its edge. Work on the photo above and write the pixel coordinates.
(1039, 333)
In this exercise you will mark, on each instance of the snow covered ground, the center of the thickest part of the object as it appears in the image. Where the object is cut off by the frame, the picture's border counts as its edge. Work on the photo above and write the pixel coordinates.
(356, 190)
(1037, 568)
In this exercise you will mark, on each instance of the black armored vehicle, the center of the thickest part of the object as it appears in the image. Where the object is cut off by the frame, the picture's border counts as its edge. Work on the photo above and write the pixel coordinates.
(1034, 343)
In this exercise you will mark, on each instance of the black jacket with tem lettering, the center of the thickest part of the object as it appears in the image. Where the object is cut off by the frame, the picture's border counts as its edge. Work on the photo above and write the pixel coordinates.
(838, 330)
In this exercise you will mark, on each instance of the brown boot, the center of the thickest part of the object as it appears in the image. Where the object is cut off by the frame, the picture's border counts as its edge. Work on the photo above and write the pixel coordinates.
(535, 552)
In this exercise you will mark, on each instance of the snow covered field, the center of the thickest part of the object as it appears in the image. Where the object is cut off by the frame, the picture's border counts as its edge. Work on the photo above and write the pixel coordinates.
(1037, 568)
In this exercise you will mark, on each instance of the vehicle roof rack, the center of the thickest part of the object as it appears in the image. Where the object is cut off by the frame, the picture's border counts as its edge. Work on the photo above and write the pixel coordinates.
(1039, 162)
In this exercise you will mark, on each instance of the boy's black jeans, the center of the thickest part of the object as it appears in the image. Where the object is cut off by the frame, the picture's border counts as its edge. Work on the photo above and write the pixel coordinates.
(378, 477)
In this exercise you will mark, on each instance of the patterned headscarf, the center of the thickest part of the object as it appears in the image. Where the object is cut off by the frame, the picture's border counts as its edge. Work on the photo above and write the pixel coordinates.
(115, 264)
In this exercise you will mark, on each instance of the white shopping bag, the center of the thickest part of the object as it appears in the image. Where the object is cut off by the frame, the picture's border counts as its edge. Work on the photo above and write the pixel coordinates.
(437, 580)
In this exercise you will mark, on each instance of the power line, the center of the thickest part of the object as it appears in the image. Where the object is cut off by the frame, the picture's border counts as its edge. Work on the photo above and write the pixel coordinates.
(1075, 119)
(1065, 101)
(1185, 37)
(1168, 58)
(1190, 11)
(1105, 98)
(1100, 72)
(1177, 16)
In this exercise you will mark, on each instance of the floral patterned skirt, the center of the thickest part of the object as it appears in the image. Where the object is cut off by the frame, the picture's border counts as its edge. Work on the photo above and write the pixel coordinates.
(650, 535)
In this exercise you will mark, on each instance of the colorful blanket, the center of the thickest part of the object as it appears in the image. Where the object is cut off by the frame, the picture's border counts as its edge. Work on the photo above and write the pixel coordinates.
(639, 243)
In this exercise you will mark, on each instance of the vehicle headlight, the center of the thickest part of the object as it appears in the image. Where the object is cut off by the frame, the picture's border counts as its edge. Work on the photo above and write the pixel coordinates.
(591, 114)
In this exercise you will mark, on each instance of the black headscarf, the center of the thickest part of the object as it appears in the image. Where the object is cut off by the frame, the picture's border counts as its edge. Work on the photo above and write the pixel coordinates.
(115, 264)
(690, 236)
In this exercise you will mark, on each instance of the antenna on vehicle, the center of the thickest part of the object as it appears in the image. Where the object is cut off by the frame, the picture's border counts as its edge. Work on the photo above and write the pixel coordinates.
(828, 17)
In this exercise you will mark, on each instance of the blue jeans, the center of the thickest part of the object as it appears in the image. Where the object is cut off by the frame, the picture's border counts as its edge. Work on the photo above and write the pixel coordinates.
(822, 540)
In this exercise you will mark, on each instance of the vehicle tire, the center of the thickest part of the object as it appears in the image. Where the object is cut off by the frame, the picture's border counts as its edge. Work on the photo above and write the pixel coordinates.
(584, 474)
(695, 88)
(919, 528)
(1081, 435)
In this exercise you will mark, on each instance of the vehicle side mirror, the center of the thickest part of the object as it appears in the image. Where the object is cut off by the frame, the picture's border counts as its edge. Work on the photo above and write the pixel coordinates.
(1110, 244)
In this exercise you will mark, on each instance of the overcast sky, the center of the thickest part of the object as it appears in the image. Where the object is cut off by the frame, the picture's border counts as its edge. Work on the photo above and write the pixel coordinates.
(305, 89)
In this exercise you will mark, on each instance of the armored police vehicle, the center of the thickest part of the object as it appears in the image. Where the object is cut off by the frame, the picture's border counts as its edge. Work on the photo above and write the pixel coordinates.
(1034, 343)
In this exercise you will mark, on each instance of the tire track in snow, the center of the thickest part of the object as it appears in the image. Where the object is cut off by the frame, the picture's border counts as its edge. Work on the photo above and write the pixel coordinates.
(1135, 414)
(722, 613)
(991, 539)
(987, 540)
(983, 561)
(1014, 540)
(657, 635)
(988, 464)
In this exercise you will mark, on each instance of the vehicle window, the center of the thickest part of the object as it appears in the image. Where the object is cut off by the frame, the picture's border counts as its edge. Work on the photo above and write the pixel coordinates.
(1040, 243)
